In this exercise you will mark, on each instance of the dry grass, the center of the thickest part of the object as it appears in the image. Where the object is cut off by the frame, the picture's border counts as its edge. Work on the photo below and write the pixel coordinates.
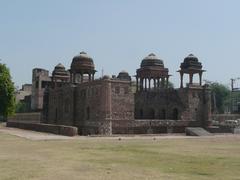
(94, 158)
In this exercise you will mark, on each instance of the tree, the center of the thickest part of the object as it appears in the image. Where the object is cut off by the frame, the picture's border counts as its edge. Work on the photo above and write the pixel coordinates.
(7, 98)
(221, 94)
(21, 107)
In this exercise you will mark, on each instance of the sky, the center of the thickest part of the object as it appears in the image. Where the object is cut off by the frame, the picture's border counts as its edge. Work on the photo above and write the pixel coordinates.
(118, 34)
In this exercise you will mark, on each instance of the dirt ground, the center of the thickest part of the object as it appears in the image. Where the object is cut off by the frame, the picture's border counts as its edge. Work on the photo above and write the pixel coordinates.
(32, 155)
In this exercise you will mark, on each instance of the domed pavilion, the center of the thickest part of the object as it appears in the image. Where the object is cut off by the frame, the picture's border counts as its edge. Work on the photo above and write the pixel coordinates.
(82, 64)
(152, 70)
(191, 66)
(60, 74)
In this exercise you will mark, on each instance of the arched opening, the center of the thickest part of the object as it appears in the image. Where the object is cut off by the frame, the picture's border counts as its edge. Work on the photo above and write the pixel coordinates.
(151, 114)
(88, 113)
(141, 114)
(175, 114)
(162, 114)
(56, 116)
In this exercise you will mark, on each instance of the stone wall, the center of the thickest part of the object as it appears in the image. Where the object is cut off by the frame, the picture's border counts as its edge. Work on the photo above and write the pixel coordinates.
(26, 117)
(39, 79)
(224, 117)
(93, 102)
(61, 105)
(149, 126)
(159, 104)
(49, 128)
(122, 101)
(188, 104)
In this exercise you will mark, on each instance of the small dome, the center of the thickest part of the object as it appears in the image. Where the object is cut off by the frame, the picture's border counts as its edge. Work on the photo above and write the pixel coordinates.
(191, 57)
(191, 62)
(59, 66)
(123, 75)
(105, 77)
(152, 60)
(82, 63)
(59, 70)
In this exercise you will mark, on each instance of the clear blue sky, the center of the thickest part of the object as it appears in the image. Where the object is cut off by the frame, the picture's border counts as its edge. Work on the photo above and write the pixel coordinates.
(118, 34)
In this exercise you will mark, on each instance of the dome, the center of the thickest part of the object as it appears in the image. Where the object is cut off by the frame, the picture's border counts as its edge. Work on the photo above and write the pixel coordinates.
(106, 77)
(59, 70)
(191, 57)
(123, 75)
(152, 60)
(191, 62)
(82, 63)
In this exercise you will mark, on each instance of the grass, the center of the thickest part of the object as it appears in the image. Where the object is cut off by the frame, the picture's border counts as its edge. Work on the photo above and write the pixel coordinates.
(96, 158)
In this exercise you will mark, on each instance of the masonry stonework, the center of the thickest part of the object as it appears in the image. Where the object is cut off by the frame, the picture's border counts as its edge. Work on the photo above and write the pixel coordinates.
(112, 106)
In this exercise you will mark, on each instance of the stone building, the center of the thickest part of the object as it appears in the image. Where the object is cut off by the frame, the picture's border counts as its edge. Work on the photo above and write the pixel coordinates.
(109, 105)
(40, 79)
(23, 96)
(26, 90)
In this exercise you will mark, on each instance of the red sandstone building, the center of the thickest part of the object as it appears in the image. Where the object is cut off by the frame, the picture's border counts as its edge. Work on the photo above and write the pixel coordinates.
(117, 105)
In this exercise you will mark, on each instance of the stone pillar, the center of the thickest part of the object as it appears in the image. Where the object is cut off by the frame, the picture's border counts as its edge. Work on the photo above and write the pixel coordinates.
(81, 78)
(200, 78)
(190, 78)
(71, 78)
(137, 84)
(167, 81)
(93, 77)
(89, 77)
(158, 83)
(145, 84)
(154, 81)
(162, 82)
(149, 84)
(141, 84)
(74, 78)
(181, 76)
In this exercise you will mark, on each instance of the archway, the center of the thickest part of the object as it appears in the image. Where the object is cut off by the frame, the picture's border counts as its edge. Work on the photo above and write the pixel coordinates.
(175, 114)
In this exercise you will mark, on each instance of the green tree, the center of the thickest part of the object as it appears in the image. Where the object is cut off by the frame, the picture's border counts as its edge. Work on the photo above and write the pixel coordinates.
(21, 107)
(221, 94)
(7, 98)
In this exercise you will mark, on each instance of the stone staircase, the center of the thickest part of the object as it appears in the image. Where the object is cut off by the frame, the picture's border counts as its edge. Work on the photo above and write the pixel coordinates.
(197, 131)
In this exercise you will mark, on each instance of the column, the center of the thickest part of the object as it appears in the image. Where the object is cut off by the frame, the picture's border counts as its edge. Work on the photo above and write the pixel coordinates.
(149, 84)
(154, 81)
(167, 82)
(74, 78)
(158, 83)
(89, 77)
(200, 78)
(181, 76)
(145, 84)
(162, 82)
(71, 78)
(81, 78)
(141, 84)
(190, 78)
(137, 83)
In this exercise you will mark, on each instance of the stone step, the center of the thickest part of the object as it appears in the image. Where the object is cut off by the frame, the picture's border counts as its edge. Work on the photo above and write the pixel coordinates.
(197, 131)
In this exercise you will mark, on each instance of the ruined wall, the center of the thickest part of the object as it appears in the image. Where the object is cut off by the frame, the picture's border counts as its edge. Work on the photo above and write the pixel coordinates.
(162, 104)
(151, 126)
(39, 79)
(92, 106)
(188, 104)
(61, 105)
(99, 102)
(25, 117)
(198, 104)
(122, 100)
